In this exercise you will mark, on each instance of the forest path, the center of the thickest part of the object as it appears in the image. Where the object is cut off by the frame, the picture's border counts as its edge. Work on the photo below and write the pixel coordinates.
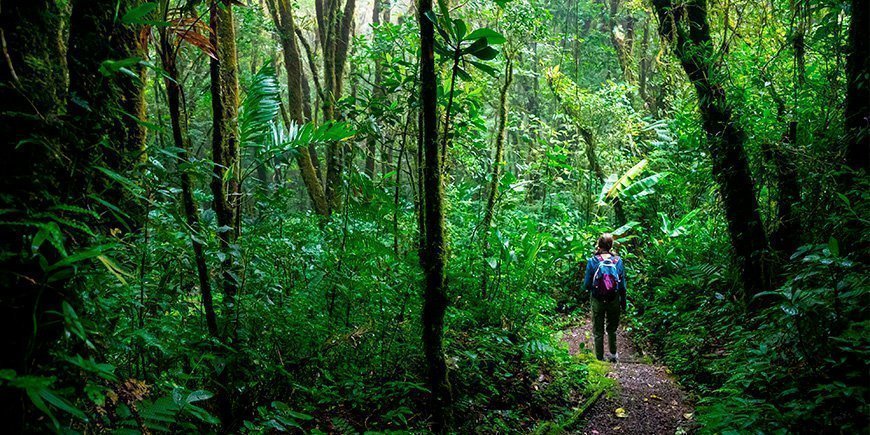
(646, 399)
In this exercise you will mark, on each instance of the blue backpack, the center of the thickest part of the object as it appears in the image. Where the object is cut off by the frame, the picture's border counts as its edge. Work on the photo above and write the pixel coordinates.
(605, 282)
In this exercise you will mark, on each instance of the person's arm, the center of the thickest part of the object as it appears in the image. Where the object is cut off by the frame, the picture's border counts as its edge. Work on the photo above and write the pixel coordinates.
(622, 289)
(590, 271)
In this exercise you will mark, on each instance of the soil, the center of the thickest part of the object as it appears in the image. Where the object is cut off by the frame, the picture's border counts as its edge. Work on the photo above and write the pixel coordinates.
(647, 400)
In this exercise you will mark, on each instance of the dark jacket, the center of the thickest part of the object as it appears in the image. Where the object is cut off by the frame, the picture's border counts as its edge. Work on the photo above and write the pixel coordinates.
(592, 266)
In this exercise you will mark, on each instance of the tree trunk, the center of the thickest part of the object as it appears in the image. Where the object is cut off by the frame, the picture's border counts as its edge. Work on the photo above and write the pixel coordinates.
(785, 236)
(333, 24)
(858, 88)
(421, 198)
(225, 145)
(283, 17)
(377, 94)
(686, 25)
(104, 103)
(182, 142)
(32, 90)
(495, 173)
(434, 295)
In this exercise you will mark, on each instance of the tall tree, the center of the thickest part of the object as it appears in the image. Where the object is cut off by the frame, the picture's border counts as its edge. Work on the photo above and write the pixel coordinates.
(282, 15)
(434, 293)
(225, 142)
(858, 88)
(685, 25)
(377, 93)
(181, 139)
(106, 107)
(334, 24)
(496, 171)
(32, 91)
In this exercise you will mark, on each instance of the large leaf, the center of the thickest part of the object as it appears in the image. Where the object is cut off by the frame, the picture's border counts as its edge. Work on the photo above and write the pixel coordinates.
(260, 107)
(613, 187)
(138, 14)
(491, 36)
(485, 53)
(644, 186)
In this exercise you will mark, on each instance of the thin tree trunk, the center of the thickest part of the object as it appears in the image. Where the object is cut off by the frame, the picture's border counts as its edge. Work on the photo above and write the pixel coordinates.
(686, 25)
(457, 55)
(398, 186)
(225, 154)
(334, 25)
(377, 94)
(785, 236)
(421, 197)
(182, 142)
(283, 18)
(434, 295)
(495, 172)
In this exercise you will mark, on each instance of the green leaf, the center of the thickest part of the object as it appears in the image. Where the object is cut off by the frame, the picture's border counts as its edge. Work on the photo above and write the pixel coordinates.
(834, 247)
(199, 395)
(62, 404)
(492, 72)
(478, 45)
(463, 74)
(459, 29)
(491, 36)
(486, 53)
(137, 14)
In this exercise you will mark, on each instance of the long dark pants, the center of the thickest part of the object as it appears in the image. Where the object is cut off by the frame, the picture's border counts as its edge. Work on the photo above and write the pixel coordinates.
(605, 315)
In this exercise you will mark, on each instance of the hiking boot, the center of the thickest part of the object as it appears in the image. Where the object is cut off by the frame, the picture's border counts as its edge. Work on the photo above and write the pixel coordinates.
(613, 357)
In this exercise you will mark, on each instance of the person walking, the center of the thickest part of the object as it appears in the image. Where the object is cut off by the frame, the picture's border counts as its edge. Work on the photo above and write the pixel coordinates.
(605, 281)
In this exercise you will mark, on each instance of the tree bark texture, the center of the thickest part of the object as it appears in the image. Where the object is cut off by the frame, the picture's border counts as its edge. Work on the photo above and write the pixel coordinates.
(32, 92)
(686, 26)
(225, 144)
(106, 106)
(334, 24)
(434, 294)
(283, 17)
(858, 88)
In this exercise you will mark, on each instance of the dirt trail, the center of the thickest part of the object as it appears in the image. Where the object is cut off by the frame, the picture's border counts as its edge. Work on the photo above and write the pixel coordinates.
(646, 398)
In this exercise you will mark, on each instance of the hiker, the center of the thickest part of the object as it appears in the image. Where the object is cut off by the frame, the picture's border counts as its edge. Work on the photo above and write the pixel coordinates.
(605, 281)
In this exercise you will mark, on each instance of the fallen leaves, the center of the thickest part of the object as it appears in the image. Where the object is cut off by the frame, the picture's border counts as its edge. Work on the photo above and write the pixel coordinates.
(620, 413)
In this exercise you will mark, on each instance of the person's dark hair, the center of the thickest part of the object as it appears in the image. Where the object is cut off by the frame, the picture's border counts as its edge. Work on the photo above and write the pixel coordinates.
(604, 245)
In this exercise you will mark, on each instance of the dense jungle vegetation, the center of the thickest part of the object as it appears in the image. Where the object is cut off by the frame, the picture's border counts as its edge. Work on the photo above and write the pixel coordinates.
(345, 216)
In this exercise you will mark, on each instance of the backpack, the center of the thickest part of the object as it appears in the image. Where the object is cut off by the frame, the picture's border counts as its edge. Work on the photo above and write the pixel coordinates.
(605, 282)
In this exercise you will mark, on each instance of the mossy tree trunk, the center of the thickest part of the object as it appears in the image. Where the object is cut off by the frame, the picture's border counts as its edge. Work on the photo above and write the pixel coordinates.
(433, 254)
(282, 16)
(32, 91)
(495, 173)
(105, 105)
(858, 88)
(225, 146)
(334, 22)
(685, 25)
(377, 94)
